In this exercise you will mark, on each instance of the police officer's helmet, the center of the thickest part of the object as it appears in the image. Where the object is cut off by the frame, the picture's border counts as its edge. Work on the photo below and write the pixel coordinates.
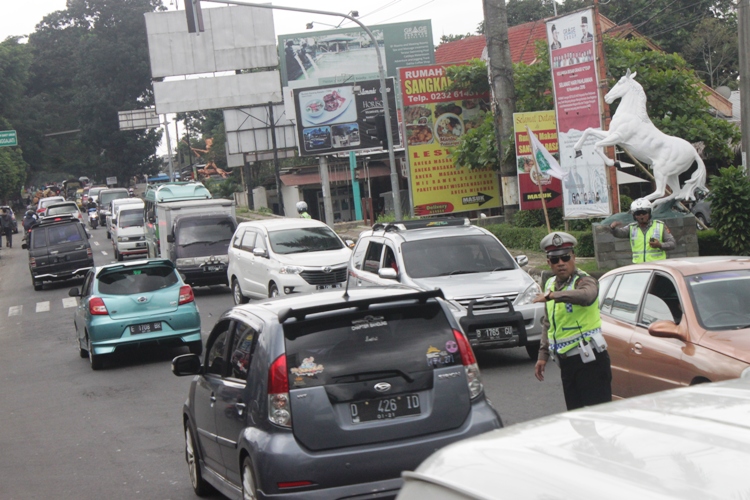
(639, 206)
(301, 207)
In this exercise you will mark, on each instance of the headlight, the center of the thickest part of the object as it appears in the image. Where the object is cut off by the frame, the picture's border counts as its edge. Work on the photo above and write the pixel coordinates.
(528, 295)
(185, 262)
(122, 238)
(290, 270)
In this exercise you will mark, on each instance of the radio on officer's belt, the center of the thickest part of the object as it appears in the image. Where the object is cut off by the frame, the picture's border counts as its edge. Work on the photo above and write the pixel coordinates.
(587, 353)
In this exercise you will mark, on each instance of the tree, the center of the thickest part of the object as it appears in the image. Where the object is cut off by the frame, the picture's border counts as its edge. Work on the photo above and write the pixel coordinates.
(714, 53)
(526, 11)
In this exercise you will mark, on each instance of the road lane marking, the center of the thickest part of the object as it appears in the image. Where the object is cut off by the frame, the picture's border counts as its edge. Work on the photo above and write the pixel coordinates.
(96, 243)
(15, 310)
(104, 253)
(42, 306)
(69, 302)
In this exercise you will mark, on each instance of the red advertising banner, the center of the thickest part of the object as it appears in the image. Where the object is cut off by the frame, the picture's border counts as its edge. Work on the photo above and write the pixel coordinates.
(542, 124)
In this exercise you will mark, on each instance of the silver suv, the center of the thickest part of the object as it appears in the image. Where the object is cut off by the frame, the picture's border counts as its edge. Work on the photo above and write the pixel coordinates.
(491, 295)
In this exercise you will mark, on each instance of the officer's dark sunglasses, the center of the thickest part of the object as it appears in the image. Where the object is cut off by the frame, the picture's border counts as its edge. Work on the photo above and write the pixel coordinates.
(640, 212)
(555, 260)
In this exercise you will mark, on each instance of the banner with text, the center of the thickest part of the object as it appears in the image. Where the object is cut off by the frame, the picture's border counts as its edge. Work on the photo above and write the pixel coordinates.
(576, 87)
(434, 120)
(543, 125)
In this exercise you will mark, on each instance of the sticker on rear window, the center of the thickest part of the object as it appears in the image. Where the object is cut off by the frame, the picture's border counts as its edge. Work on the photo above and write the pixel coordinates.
(368, 322)
(451, 346)
(436, 357)
(308, 368)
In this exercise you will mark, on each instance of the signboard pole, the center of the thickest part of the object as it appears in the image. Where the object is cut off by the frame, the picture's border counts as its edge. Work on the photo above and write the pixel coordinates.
(169, 149)
(276, 167)
(355, 186)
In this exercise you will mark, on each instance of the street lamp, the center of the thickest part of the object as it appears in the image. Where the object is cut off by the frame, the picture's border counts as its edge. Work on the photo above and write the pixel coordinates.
(381, 75)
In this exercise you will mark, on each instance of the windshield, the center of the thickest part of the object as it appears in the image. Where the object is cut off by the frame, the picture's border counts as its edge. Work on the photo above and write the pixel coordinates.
(456, 255)
(130, 218)
(194, 235)
(130, 281)
(721, 298)
(62, 209)
(105, 198)
(307, 239)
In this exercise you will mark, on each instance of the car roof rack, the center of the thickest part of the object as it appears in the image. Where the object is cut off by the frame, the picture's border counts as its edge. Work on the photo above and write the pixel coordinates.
(405, 225)
(300, 313)
(46, 220)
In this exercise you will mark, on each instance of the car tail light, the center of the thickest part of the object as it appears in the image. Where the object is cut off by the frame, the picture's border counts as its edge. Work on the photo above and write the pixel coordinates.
(470, 365)
(89, 253)
(186, 295)
(293, 484)
(97, 307)
(279, 409)
(32, 261)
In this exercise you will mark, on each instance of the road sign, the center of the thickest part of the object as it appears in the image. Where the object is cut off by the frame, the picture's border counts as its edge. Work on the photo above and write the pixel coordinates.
(111, 181)
(8, 138)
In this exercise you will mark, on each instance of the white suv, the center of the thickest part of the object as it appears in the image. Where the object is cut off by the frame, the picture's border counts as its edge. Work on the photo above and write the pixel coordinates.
(287, 256)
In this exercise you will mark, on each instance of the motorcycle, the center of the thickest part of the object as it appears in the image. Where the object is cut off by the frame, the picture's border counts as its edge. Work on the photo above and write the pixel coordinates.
(93, 217)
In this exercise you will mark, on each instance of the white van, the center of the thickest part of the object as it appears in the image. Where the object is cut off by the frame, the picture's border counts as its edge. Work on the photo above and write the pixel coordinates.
(114, 207)
(128, 232)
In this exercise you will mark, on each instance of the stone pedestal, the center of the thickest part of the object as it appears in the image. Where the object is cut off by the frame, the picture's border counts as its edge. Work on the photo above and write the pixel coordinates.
(614, 252)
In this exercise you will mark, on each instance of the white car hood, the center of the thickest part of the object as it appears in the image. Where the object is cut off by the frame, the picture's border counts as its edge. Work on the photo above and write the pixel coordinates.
(316, 259)
(131, 231)
(472, 285)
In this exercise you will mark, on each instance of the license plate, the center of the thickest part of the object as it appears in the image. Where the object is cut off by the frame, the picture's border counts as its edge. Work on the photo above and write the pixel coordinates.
(328, 287)
(213, 269)
(145, 328)
(385, 408)
(495, 333)
(140, 245)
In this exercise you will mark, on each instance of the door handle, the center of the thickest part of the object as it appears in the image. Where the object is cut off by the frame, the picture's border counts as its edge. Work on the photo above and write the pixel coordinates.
(240, 407)
(637, 347)
(212, 399)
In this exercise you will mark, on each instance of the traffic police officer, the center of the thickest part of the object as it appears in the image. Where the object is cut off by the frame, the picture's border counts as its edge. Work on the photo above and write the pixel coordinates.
(573, 326)
(649, 239)
(302, 210)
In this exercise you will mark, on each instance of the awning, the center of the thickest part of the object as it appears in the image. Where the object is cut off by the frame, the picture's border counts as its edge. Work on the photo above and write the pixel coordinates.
(623, 178)
(337, 175)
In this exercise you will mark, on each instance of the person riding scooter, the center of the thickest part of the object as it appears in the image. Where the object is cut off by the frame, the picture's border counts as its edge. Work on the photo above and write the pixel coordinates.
(91, 208)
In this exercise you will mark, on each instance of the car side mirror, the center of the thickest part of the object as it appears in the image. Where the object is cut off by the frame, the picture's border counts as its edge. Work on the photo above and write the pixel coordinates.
(187, 364)
(74, 292)
(260, 252)
(170, 238)
(665, 329)
(388, 273)
(522, 260)
(350, 243)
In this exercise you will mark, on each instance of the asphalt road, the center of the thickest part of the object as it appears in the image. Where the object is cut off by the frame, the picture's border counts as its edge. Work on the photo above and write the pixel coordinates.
(69, 432)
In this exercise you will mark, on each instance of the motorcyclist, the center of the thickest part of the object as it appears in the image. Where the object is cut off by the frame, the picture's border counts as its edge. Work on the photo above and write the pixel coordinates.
(131, 193)
(302, 210)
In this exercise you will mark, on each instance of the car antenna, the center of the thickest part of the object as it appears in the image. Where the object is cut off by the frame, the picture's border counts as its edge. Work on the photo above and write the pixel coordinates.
(346, 290)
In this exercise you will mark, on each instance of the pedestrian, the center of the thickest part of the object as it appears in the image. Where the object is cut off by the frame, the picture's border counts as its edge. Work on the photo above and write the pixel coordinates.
(574, 339)
(649, 239)
(6, 222)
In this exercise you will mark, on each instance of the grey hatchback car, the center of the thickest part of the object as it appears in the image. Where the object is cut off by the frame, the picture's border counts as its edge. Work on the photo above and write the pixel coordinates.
(329, 395)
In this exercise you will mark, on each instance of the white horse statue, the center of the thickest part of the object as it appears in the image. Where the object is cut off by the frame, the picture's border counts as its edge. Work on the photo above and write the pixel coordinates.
(631, 128)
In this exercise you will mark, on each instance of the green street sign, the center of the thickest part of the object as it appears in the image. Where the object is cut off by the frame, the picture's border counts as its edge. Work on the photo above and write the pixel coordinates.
(8, 138)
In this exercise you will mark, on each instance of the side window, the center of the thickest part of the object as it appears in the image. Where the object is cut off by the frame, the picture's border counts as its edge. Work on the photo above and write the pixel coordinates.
(629, 295)
(390, 258)
(216, 347)
(358, 257)
(248, 241)
(237, 239)
(242, 350)
(39, 238)
(662, 301)
(372, 257)
(260, 241)
(609, 298)
(603, 286)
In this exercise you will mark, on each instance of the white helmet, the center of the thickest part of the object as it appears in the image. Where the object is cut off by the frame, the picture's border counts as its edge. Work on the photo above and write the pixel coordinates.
(640, 204)
(301, 207)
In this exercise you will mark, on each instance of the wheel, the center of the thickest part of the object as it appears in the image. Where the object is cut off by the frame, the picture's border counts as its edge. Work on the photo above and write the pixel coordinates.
(237, 293)
(532, 349)
(273, 290)
(248, 482)
(196, 347)
(702, 220)
(109, 236)
(38, 285)
(200, 486)
(95, 361)
(83, 353)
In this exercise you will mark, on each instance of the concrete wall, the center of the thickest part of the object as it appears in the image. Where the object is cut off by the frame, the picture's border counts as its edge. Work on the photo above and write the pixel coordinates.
(260, 198)
(614, 252)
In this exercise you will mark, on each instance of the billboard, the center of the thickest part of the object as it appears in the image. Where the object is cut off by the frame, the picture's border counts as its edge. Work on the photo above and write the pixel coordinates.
(543, 125)
(575, 83)
(434, 120)
(343, 117)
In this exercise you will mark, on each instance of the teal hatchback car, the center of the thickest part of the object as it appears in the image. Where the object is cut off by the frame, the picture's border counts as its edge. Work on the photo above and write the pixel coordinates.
(134, 304)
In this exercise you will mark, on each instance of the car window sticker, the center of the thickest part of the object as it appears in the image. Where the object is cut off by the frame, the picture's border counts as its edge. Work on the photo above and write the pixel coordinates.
(308, 368)
(436, 357)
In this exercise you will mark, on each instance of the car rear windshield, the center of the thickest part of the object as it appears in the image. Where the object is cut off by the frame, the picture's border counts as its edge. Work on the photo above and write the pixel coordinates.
(368, 345)
(455, 255)
(128, 281)
(62, 209)
(130, 218)
(307, 239)
(58, 234)
(105, 198)
(720, 299)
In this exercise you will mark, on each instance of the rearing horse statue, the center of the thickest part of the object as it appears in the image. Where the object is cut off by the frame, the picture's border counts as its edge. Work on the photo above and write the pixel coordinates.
(631, 128)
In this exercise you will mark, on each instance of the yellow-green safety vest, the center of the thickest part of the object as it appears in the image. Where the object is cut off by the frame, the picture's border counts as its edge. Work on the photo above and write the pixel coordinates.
(569, 322)
(305, 215)
(642, 251)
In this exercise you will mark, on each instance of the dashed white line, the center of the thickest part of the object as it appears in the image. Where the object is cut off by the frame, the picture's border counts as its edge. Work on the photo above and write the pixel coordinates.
(104, 253)
(42, 306)
(96, 243)
(15, 310)
(69, 302)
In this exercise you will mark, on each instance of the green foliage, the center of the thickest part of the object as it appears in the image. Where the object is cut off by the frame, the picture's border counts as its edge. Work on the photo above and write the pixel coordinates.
(223, 188)
(711, 243)
(529, 238)
(478, 147)
(730, 197)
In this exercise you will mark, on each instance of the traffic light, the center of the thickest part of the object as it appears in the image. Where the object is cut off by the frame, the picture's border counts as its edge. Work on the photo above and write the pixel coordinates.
(374, 129)
(194, 16)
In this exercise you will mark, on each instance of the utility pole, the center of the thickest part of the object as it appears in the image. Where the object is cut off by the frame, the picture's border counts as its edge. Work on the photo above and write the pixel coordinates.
(503, 97)
(743, 19)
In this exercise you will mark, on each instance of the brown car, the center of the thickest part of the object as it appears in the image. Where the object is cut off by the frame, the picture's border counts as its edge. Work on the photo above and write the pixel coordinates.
(676, 322)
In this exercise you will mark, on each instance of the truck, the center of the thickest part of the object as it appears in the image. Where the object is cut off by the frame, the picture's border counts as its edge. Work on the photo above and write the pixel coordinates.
(195, 235)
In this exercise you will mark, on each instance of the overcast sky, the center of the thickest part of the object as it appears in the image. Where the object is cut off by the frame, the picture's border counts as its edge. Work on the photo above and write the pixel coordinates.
(449, 17)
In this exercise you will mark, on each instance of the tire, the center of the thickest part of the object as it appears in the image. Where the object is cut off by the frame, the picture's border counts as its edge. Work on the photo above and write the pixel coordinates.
(237, 293)
(200, 486)
(702, 220)
(196, 347)
(249, 491)
(532, 349)
(95, 360)
(109, 236)
(118, 255)
(273, 291)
